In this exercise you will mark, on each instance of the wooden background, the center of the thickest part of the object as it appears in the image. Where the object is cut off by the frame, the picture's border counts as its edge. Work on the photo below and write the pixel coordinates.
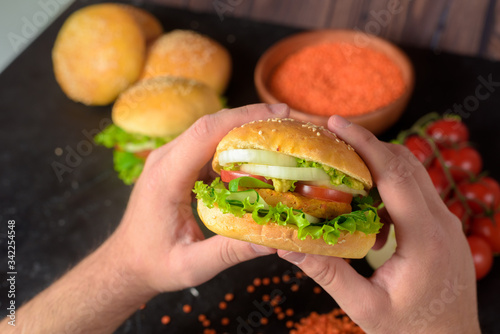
(466, 27)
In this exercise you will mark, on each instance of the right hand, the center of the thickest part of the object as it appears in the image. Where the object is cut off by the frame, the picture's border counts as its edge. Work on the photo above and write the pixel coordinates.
(428, 285)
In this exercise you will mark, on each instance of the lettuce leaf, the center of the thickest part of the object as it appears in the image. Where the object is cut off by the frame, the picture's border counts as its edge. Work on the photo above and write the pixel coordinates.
(126, 163)
(114, 136)
(336, 176)
(128, 166)
(365, 217)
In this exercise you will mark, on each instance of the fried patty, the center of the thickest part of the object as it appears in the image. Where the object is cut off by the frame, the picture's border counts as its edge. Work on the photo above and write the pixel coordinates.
(315, 207)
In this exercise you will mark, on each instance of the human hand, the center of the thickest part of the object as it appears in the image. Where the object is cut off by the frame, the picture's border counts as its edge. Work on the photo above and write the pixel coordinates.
(158, 234)
(429, 284)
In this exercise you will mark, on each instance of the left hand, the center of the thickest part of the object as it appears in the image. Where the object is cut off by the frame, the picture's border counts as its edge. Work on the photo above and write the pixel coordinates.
(159, 235)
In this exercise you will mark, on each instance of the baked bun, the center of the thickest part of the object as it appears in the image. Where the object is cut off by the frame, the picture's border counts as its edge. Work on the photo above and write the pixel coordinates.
(353, 246)
(282, 135)
(98, 53)
(163, 106)
(188, 54)
(149, 24)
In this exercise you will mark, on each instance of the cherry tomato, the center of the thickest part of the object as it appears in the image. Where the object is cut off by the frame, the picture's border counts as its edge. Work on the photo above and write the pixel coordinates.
(481, 255)
(493, 185)
(458, 209)
(439, 180)
(489, 229)
(480, 197)
(462, 162)
(420, 148)
(323, 193)
(228, 175)
(447, 132)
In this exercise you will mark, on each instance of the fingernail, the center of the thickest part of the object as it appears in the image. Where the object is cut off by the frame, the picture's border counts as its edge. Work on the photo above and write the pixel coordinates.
(262, 250)
(294, 257)
(340, 122)
(279, 109)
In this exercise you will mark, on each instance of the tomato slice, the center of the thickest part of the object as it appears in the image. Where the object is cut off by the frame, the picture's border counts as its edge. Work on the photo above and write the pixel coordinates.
(142, 154)
(228, 175)
(323, 193)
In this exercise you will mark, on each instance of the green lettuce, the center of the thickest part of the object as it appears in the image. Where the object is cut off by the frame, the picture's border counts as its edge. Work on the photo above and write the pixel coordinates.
(126, 163)
(114, 136)
(336, 176)
(364, 217)
(128, 166)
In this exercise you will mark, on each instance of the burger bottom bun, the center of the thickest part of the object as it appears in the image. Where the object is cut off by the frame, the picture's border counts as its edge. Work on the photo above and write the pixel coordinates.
(353, 246)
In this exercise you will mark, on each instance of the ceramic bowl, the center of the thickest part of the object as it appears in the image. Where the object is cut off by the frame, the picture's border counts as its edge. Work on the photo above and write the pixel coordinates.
(377, 120)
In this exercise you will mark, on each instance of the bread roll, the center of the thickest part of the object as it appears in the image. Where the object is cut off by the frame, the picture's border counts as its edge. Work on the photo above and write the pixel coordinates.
(163, 106)
(98, 53)
(188, 54)
(149, 24)
(354, 246)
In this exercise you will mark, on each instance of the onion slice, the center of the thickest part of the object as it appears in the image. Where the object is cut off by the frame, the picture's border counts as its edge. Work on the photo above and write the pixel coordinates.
(287, 173)
(257, 157)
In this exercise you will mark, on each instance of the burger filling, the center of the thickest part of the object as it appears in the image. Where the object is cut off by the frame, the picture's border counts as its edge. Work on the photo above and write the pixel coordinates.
(278, 188)
(131, 150)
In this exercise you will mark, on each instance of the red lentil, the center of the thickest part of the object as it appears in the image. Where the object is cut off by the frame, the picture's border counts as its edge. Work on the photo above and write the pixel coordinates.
(276, 280)
(201, 317)
(339, 78)
(317, 290)
(286, 278)
(223, 305)
(281, 316)
(165, 320)
(250, 288)
(186, 308)
(224, 321)
(257, 281)
(289, 312)
(266, 298)
(266, 281)
(205, 323)
(264, 321)
(334, 322)
(228, 297)
(294, 287)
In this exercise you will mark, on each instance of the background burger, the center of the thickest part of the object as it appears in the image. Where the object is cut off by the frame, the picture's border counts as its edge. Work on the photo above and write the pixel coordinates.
(150, 114)
(290, 185)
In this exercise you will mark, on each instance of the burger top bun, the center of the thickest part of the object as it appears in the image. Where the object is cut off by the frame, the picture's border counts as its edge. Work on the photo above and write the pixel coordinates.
(353, 246)
(98, 53)
(188, 54)
(163, 106)
(298, 139)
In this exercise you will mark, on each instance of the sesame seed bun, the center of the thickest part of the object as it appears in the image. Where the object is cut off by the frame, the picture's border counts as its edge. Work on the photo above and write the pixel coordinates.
(353, 246)
(298, 139)
(163, 106)
(98, 53)
(149, 24)
(188, 54)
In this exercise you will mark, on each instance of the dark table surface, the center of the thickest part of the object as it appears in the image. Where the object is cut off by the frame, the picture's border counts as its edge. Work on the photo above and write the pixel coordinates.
(61, 219)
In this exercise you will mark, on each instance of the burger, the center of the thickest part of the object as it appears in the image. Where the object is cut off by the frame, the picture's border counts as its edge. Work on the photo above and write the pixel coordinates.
(150, 114)
(290, 185)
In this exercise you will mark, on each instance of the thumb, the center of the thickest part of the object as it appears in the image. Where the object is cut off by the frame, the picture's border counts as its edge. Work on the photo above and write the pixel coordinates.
(218, 253)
